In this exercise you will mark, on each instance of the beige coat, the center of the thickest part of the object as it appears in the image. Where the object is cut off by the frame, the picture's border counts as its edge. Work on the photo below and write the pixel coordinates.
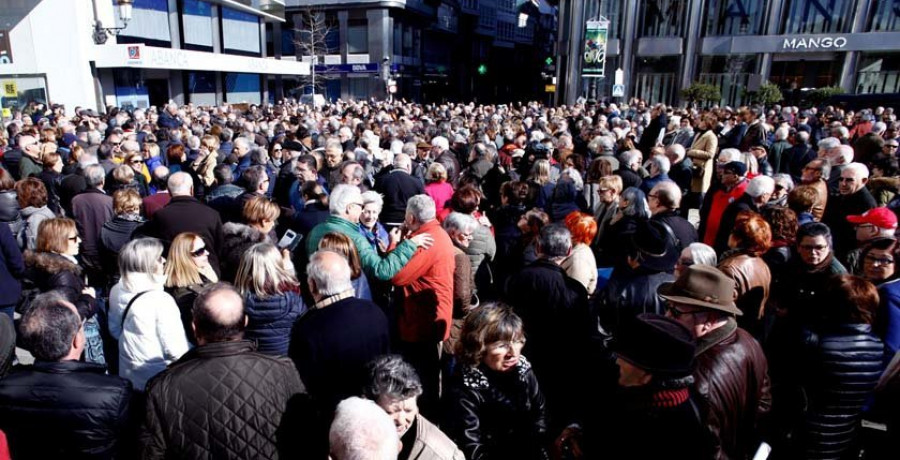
(582, 267)
(703, 153)
(432, 444)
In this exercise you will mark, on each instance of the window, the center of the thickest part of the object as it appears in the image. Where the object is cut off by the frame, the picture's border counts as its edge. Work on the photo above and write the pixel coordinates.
(242, 87)
(197, 23)
(885, 17)
(357, 37)
(149, 19)
(240, 31)
(664, 18)
(818, 16)
(734, 17)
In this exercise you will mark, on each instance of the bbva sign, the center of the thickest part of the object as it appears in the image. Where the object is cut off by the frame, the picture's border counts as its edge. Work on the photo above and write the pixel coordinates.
(804, 43)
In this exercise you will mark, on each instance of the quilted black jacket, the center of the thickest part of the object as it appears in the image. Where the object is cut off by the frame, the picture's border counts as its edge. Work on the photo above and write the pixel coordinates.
(223, 401)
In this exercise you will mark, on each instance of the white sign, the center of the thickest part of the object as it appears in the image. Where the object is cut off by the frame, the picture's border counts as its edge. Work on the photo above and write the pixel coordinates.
(618, 91)
(620, 77)
(152, 57)
(824, 43)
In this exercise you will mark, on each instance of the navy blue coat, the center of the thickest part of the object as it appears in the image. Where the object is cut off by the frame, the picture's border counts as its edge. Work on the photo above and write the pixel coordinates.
(12, 266)
(270, 320)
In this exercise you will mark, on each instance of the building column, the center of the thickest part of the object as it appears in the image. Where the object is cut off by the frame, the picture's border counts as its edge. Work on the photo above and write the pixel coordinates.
(174, 24)
(220, 88)
(774, 13)
(851, 59)
(343, 26)
(626, 56)
(571, 37)
(691, 43)
(379, 38)
(176, 86)
(215, 29)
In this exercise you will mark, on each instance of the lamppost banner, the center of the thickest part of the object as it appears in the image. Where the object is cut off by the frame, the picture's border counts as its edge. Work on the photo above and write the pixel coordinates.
(594, 56)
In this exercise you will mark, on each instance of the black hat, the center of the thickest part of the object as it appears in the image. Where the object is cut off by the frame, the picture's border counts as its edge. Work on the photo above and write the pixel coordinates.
(736, 167)
(656, 344)
(655, 246)
(293, 146)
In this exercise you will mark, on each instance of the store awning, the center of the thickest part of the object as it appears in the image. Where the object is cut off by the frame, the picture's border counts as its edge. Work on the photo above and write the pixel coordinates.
(139, 56)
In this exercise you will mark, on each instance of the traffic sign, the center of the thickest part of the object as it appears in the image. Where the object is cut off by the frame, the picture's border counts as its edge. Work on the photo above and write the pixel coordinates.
(10, 89)
(618, 91)
(550, 88)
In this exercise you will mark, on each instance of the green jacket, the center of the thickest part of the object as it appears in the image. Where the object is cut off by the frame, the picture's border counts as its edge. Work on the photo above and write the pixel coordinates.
(381, 268)
(28, 167)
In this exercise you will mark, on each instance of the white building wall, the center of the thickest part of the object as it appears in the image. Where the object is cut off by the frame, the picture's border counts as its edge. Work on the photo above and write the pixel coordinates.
(54, 39)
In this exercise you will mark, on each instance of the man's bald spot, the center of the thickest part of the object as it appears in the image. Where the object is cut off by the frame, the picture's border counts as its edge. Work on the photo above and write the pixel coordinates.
(224, 307)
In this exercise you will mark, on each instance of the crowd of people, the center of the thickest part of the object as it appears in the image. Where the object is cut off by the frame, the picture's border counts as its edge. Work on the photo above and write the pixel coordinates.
(381, 280)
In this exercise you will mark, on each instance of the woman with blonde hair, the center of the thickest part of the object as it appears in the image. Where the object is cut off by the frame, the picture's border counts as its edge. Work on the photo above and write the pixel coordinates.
(272, 300)
(187, 272)
(437, 187)
(206, 161)
(343, 245)
(260, 215)
(142, 316)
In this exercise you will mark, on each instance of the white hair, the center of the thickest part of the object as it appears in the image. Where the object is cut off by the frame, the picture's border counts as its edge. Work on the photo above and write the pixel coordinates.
(844, 152)
(662, 163)
(781, 134)
(361, 430)
(458, 222)
(537, 136)
(441, 142)
(341, 197)
(677, 150)
(828, 143)
(422, 208)
(859, 170)
(373, 197)
(180, 184)
(329, 278)
(760, 185)
(729, 155)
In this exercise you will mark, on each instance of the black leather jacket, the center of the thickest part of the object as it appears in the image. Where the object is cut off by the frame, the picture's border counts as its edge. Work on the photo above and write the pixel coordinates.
(65, 409)
(493, 415)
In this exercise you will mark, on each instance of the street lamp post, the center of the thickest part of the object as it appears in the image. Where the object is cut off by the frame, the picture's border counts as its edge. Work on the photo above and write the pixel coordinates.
(101, 33)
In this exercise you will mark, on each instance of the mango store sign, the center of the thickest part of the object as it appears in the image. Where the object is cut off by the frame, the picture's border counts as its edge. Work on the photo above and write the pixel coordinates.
(813, 43)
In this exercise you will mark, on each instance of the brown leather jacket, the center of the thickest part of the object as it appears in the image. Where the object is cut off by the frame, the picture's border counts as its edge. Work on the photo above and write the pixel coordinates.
(752, 278)
(732, 382)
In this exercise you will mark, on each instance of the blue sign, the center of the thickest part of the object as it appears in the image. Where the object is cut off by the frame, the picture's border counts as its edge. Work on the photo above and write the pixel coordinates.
(348, 68)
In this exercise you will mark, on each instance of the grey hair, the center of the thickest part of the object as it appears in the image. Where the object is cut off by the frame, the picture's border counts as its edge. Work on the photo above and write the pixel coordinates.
(130, 147)
(555, 240)
(422, 208)
(637, 203)
(392, 377)
(668, 194)
(329, 280)
(373, 197)
(677, 150)
(630, 157)
(341, 197)
(802, 136)
(784, 180)
(94, 175)
(402, 161)
(361, 430)
(139, 257)
(829, 143)
(242, 141)
(440, 142)
(781, 134)
(703, 254)
(180, 184)
(193, 142)
(458, 222)
(662, 163)
(49, 326)
(760, 185)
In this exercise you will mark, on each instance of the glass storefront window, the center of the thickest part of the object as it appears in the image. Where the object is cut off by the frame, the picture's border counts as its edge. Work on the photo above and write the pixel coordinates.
(240, 31)
(818, 16)
(202, 88)
(885, 16)
(657, 79)
(878, 73)
(796, 73)
(18, 92)
(734, 17)
(663, 18)
(149, 20)
(357, 37)
(730, 74)
(131, 90)
(197, 23)
(242, 87)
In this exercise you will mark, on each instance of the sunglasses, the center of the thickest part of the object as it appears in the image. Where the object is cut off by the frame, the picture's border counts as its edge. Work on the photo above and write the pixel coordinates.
(199, 252)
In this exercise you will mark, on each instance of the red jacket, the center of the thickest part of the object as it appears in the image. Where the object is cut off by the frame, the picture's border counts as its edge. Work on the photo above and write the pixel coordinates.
(426, 287)
(721, 199)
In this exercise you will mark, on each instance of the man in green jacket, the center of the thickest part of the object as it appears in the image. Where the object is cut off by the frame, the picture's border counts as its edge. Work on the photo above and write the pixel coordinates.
(345, 205)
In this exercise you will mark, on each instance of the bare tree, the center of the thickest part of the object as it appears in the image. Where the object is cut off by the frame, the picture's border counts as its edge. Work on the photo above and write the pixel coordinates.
(311, 40)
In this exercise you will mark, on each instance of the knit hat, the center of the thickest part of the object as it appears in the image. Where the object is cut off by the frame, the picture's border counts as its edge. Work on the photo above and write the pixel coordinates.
(735, 167)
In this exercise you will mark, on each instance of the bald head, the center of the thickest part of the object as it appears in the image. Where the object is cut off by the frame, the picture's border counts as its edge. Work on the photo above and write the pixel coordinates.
(328, 273)
(219, 315)
(402, 161)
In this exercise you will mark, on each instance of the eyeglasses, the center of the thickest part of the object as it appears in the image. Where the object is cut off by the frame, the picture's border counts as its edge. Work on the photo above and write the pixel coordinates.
(890, 146)
(814, 247)
(136, 162)
(875, 260)
(199, 252)
(676, 313)
(847, 179)
(506, 345)
(653, 195)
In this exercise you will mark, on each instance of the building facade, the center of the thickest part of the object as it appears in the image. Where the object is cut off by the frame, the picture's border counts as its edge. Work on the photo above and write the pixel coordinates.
(436, 50)
(186, 51)
(665, 45)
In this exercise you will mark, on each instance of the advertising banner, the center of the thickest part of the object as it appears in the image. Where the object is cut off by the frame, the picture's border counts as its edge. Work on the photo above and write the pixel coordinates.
(594, 55)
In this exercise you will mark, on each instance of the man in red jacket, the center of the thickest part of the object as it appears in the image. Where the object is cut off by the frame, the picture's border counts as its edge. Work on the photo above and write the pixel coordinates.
(425, 298)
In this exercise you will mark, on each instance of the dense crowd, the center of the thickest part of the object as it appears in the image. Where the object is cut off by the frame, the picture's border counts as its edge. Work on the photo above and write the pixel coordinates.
(374, 280)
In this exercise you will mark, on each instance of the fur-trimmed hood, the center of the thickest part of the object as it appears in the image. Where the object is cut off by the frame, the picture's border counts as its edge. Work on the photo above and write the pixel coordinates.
(50, 262)
(886, 183)
(475, 378)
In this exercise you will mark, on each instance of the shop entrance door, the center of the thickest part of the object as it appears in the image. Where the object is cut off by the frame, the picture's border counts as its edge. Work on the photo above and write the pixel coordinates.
(806, 72)
(157, 91)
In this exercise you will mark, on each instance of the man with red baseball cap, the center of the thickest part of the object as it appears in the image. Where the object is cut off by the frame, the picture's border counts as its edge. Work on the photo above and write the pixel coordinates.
(873, 224)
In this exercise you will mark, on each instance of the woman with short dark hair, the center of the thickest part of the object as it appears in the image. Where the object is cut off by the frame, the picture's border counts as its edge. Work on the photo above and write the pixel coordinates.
(394, 385)
(495, 405)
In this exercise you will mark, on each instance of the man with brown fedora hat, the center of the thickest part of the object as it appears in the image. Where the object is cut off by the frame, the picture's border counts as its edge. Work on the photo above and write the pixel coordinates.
(731, 370)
